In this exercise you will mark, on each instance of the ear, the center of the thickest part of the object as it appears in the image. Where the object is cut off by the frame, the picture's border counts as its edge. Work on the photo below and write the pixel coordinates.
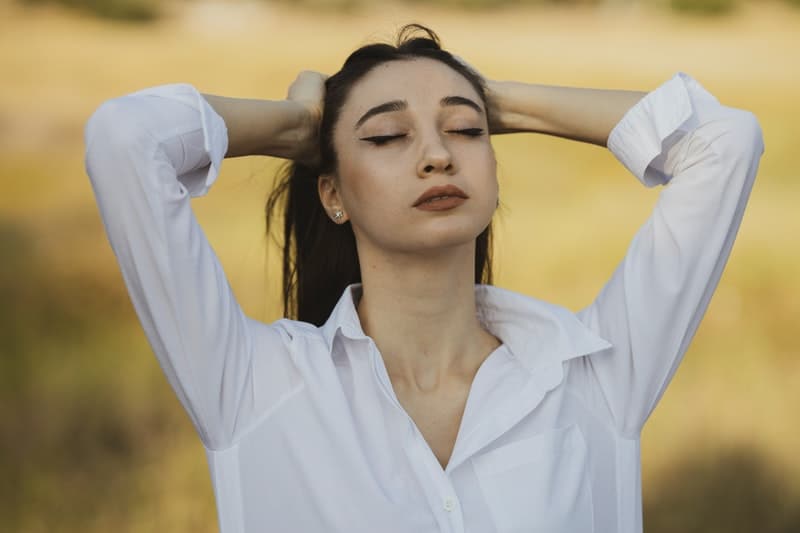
(328, 188)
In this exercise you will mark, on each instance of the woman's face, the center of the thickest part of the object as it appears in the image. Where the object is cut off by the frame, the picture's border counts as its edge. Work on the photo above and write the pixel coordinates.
(408, 126)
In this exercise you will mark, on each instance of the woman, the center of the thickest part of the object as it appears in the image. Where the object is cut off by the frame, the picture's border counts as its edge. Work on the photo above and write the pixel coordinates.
(410, 394)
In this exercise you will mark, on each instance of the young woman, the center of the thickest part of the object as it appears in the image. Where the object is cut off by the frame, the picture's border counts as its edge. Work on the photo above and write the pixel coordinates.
(405, 393)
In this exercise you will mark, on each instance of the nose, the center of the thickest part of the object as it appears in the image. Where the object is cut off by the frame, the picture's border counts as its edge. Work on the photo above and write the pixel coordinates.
(435, 158)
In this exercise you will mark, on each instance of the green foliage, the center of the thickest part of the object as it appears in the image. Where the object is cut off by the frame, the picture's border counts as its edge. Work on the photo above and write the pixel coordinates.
(148, 10)
(749, 493)
(124, 10)
(690, 7)
(81, 411)
(703, 7)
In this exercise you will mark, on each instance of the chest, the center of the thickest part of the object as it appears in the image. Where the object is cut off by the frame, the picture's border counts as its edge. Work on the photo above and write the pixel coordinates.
(437, 417)
(527, 473)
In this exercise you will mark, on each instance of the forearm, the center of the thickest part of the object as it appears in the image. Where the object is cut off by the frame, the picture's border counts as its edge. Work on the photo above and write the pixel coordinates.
(277, 128)
(586, 115)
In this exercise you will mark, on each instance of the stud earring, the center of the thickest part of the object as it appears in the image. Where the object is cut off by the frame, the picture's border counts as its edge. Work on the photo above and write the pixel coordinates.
(338, 215)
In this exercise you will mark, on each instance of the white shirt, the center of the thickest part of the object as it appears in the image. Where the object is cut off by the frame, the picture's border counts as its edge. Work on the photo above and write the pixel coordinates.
(302, 428)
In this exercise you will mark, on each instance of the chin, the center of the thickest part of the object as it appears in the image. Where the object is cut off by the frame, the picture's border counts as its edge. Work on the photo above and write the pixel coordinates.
(444, 233)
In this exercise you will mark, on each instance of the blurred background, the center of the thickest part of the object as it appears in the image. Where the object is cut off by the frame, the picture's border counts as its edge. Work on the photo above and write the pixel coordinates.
(91, 437)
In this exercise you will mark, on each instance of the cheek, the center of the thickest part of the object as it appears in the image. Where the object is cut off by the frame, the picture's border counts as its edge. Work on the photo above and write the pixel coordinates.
(483, 163)
(354, 175)
(371, 187)
(488, 182)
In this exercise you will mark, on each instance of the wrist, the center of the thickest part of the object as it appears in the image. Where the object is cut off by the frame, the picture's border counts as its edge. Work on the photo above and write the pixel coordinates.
(281, 128)
(495, 101)
(513, 107)
(307, 135)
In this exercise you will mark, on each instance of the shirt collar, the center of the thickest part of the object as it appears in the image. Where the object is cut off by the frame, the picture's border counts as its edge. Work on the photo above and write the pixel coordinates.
(536, 332)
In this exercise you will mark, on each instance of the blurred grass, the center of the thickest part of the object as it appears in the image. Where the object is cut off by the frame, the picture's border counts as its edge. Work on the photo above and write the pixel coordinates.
(704, 7)
(140, 11)
(93, 440)
(145, 11)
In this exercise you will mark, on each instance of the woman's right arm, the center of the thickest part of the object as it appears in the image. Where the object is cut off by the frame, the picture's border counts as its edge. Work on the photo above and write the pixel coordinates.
(277, 128)
(147, 154)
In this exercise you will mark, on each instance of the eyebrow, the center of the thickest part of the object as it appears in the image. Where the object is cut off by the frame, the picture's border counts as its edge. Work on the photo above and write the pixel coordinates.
(401, 105)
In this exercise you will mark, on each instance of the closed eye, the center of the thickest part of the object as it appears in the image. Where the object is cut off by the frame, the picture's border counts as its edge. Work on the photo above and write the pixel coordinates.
(378, 140)
(471, 132)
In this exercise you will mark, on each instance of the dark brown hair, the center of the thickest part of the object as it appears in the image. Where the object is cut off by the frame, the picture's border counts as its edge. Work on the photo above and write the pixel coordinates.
(319, 256)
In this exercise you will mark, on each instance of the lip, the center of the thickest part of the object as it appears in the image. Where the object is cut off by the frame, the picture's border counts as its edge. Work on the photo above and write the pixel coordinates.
(440, 190)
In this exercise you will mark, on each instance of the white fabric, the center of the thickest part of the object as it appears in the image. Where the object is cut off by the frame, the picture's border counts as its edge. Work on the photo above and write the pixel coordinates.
(303, 430)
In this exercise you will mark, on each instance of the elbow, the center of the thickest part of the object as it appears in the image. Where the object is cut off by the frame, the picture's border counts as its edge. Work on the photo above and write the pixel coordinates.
(113, 134)
(749, 133)
(743, 139)
(115, 125)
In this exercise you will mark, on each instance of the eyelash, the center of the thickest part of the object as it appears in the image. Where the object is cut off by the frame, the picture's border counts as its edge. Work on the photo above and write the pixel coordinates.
(380, 140)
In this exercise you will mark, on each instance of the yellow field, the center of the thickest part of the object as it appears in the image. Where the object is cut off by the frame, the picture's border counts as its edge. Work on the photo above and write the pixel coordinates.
(92, 438)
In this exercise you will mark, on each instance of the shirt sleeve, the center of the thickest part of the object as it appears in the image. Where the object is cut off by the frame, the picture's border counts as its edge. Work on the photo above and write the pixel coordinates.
(147, 154)
(706, 155)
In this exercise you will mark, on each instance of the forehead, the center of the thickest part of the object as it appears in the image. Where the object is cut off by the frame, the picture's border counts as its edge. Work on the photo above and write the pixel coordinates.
(419, 81)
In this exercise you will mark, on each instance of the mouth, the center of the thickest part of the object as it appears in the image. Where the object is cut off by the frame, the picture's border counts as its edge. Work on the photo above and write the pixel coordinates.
(441, 195)
(441, 203)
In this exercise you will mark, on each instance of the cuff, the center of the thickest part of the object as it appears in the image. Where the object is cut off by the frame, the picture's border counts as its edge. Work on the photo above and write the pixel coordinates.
(212, 143)
(655, 124)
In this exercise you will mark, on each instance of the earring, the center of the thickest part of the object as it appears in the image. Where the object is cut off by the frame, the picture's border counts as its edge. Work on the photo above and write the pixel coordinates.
(338, 215)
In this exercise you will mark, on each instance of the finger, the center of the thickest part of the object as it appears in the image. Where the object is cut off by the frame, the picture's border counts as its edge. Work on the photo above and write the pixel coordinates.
(308, 85)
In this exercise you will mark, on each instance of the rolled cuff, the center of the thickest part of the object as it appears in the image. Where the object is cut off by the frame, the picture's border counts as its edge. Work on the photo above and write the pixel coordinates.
(647, 131)
(203, 149)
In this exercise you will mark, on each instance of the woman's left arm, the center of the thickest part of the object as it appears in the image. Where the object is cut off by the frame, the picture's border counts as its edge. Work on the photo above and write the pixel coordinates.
(706, 155)
(576, 113)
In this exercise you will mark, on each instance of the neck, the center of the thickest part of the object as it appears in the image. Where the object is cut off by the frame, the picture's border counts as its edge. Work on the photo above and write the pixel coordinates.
(421, 313)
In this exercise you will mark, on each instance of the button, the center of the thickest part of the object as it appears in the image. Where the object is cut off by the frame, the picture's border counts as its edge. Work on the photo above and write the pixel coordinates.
(449, 504)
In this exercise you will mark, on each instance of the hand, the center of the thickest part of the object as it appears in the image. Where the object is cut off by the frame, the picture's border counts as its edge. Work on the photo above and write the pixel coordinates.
(492, 98)
(495, 111)
(308, 90)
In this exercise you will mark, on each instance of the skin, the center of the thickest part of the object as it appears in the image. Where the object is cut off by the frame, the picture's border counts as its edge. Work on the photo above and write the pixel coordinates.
(418, 267)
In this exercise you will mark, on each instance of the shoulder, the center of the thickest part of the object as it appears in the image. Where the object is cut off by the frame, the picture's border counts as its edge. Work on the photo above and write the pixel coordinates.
(287, 329)
(295, 338)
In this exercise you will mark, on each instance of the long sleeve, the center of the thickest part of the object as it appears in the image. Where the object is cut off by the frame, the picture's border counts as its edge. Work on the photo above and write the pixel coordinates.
(707, 156)
(147, 154)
